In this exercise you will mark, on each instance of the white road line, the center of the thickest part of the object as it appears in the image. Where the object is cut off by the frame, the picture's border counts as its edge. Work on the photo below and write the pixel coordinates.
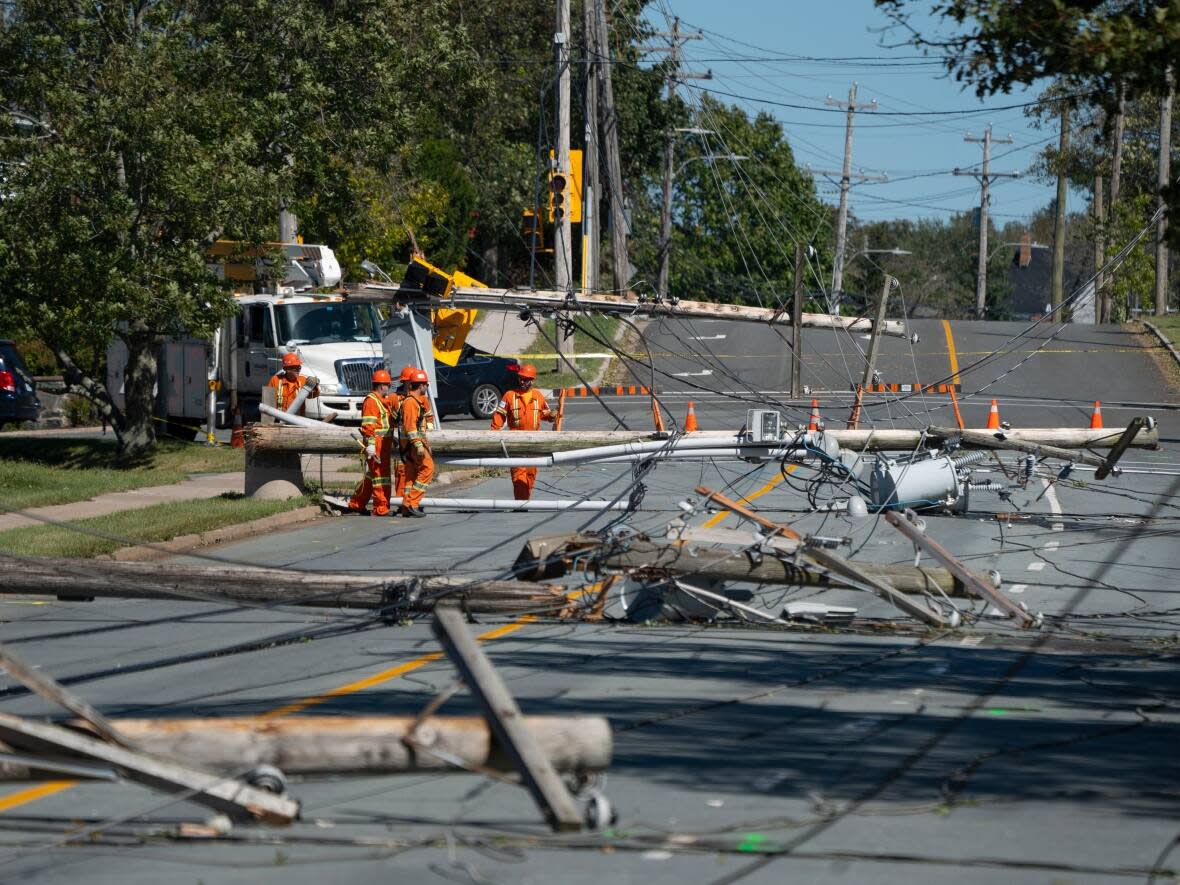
(699, 374)
(1018, 588)
(1036, 566)
(1051, 545)
(1054, 504)
(707, 337)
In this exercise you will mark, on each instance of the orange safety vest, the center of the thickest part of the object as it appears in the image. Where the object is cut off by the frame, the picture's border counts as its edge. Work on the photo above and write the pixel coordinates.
(286, 391)
(522, 410)
(416, 418)
(375, 416)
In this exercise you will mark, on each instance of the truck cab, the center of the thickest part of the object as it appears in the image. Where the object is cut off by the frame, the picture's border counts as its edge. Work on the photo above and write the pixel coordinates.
(338, 341)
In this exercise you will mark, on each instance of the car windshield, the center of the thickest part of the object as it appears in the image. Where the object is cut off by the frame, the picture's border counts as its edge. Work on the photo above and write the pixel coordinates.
(327, 323)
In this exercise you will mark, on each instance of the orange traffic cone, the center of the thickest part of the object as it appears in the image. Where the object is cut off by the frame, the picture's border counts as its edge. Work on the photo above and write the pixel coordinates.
(690, 420)
(657, 417)
(993, 417)
(1096, 417)
(238, 439)
(813, 423)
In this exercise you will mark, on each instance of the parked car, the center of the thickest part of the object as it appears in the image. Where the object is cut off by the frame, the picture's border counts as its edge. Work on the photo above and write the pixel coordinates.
(475, 384)
(18, 392)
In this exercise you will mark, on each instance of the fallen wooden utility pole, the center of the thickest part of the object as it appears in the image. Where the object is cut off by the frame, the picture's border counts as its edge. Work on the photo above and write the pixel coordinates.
(854, 573)
(978, 585)
(217, 791)
(360, 745)
(505, 720)
(88, 578)
(662, 559)
(517, 299)
(270, 438)
(993, 439)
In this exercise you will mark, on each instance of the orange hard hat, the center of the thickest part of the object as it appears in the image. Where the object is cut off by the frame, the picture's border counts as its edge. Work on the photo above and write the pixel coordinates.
(528, 370)
(419, 377)
(291, 359)
(407, 373)
(382, 377)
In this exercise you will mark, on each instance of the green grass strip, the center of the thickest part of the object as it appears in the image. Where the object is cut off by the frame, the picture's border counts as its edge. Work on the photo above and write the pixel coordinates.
(161, 522)
(37, 472)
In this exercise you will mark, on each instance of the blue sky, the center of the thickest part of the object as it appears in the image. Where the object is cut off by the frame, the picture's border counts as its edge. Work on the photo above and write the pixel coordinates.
(753, 49)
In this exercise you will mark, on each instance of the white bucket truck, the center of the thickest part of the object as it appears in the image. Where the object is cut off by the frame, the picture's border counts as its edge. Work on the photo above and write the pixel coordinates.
(337, 340)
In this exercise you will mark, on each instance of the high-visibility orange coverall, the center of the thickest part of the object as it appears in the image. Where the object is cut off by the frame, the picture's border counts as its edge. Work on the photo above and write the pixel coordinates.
(376, 427)
(522, 410)
(399, 471)
(415, 449)
(286, 391)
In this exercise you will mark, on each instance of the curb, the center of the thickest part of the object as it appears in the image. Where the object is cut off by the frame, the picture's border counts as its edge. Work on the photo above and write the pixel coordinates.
(1164, 341)
(226, 534)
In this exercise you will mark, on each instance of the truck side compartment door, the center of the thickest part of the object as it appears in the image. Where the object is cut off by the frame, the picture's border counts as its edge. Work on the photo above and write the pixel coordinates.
(259, 337)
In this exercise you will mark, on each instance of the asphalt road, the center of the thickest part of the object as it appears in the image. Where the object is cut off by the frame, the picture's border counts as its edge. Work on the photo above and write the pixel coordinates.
(883, 753)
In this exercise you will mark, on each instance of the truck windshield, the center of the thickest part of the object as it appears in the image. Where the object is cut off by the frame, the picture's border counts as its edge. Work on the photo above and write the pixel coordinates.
(327, 323)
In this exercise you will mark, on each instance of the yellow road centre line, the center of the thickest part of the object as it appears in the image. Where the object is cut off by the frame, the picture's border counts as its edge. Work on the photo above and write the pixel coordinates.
(32, 794)
(778, 477)
(41, 791)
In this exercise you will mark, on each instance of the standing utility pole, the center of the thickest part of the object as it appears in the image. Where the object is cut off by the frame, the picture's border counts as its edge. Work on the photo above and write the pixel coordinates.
(1161, 245)
(1099, 250)
(609, 129)
(563, 276)
(797, 325)
(985, 176)
(675, 76)
(1057, 286)
(590, 223)
(1116, 171)
(851, 107)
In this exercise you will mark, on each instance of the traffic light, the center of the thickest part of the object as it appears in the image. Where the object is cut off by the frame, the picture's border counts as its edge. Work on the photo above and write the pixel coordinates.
(532, 230)
(558, 196)
(569, 185)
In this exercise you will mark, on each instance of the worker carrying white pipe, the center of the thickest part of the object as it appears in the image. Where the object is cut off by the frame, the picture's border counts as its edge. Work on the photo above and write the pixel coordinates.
(289, 382)
(523, 409)
(416, 419)
(376, 430)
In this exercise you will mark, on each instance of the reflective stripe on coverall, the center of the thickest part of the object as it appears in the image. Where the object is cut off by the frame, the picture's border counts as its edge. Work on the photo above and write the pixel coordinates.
(522, 410)
(415, 449)
(286, 391)
(375, 428)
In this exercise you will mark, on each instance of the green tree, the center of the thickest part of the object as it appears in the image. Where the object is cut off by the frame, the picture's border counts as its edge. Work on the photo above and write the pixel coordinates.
(139, 132)
(1100, 49)
(735, 221)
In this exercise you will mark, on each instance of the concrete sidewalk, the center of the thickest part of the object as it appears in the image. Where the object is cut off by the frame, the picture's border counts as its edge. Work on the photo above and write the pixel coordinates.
(196, 487)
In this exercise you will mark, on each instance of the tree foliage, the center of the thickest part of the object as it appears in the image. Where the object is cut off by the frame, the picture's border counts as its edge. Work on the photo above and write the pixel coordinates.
(938, 276)
(740, 204)
(998, 44)
(138, 132)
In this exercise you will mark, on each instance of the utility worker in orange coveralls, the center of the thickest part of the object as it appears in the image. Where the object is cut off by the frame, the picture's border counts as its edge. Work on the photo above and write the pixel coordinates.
(403, 389)
(523, 409)
(377, 430)
(289, 382)
(415, 448)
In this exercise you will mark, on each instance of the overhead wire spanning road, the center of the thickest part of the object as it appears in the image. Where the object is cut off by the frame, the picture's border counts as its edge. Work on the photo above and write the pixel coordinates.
(730, 742)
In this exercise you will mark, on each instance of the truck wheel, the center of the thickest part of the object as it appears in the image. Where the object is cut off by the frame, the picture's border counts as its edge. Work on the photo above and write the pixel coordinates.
(484, 400)
(182, 428)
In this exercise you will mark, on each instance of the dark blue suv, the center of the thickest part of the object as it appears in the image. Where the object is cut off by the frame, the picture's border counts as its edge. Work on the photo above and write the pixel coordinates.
(18, 392)
(475, 384)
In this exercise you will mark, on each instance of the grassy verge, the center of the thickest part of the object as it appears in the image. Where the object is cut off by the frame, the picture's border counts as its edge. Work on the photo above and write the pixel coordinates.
(35, 472)
(161, 522)
(554, 373)
(1170, 326)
